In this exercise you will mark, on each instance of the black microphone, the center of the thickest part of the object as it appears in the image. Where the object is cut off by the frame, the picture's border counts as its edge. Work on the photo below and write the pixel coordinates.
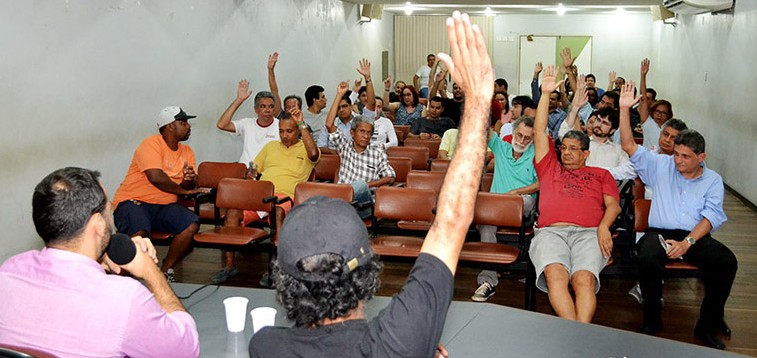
(121, 249)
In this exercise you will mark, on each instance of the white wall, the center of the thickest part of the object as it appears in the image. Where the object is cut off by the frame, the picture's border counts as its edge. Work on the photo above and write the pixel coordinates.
(82, 81)
(722, 107)
(619, 42)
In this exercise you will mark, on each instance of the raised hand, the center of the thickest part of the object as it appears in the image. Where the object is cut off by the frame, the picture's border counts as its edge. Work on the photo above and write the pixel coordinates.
(549, 82)
(469, 64)
(567, 58)
(342, 88)
(440, 75)
(580, 97)
(357, 85)
(644, 66)
(388, 83)
(296, 114)
(611, 77)
(272, 58)
(243, 90)
(538, 68)
(364, 69)
(626, 95)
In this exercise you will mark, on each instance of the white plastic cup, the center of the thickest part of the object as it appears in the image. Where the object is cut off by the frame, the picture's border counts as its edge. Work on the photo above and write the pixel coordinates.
(262, 317)
(235, 313)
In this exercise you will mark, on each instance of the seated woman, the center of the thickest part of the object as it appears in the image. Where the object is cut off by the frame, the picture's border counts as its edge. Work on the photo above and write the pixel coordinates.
(408, 109)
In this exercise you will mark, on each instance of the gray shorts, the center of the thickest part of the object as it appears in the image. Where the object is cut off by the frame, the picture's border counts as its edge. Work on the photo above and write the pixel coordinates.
(576, 248)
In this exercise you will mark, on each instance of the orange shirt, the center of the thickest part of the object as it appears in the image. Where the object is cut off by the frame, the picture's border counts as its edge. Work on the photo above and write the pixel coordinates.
(153, 153)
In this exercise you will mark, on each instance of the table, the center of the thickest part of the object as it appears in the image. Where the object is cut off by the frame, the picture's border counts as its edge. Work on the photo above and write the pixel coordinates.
(471, 330)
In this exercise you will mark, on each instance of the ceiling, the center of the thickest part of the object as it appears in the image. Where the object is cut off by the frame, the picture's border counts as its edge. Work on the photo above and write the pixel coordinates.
(478, 7)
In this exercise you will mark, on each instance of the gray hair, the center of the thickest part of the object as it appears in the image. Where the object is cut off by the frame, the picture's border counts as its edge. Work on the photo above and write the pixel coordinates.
(264, 94)
(360, 119)
(526, 120)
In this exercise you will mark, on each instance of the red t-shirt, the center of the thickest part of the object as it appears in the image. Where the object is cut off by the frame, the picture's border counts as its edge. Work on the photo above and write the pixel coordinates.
(572, 195)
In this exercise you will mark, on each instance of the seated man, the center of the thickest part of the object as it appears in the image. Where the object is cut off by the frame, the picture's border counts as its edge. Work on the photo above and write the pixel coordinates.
(577, 206)
(61, 301)
(687, 206)
(344, 124)
(363, 165)
(513, 174)
(433, 125)
(325, 270)
(162, 168)
(286, 163)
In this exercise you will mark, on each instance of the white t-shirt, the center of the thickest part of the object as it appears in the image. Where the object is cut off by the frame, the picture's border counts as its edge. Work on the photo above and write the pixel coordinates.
(255, 136)
(383, 133)
(651, 133)
(423, 74)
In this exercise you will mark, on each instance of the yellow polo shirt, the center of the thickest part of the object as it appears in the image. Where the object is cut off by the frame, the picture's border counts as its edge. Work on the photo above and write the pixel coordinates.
(285, 167)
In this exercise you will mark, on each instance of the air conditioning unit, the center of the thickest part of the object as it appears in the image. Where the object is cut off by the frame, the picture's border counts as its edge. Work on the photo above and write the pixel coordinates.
(692, 7)
(372, 11)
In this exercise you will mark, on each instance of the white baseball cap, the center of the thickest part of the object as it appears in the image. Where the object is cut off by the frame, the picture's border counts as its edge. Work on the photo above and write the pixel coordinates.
(172, 113)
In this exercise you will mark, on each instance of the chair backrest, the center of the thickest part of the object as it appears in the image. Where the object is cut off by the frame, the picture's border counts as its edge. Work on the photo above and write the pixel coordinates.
(504, 210)
(404, 129)
(307, 190)
(419, 179)
(404, 204)
(402, 166)
(439, 165)
(209, 174)
(327, 167)
(641, 214)
(639, 189)
(419, 155)
(431, 144)
(244, 194)
(486, 181)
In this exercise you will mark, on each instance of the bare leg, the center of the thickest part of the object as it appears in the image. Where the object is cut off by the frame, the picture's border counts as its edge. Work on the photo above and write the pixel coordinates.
(233, 218)
(180, 246)
(584, 285)
(280, 214)
(559, 296)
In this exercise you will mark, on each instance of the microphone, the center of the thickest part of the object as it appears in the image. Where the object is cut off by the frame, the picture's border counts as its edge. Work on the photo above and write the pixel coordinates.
(121, 249)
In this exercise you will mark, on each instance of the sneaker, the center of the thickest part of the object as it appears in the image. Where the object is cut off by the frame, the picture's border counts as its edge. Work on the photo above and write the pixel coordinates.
(635, 292)
(170, 276)
(483, 292)
(224, 275)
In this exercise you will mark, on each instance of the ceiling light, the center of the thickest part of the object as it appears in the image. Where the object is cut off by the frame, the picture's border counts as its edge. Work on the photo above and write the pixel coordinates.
(489, 11)
(560, 9)
(408, 8)
(620, 10)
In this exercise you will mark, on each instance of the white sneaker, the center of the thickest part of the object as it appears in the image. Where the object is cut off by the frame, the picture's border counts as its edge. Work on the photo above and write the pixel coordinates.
(635, 292)
(483, 292)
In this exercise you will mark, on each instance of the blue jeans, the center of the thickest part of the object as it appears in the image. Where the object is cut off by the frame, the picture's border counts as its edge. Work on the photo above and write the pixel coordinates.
(423, 92)
(362, 195)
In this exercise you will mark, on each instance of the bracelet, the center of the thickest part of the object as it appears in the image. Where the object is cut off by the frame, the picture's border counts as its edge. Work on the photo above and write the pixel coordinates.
(300, 123)
(367, 81)
(386, 90)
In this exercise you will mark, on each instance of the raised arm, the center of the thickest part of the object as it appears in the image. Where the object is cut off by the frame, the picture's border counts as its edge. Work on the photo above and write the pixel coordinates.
(471, 69)
(611, 77)
(272, 83)
(307, 138)
(389, 106)
(549, 83)
(243, 93)
(331, 117)
(535, 95)
(644, 104)
(626, 102)
(580, 98)
(567, 64)
(365, 70)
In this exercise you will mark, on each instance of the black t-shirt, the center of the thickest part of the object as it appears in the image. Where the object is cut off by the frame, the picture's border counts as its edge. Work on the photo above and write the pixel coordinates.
(453, 110)
(438, 126)
(410, 326)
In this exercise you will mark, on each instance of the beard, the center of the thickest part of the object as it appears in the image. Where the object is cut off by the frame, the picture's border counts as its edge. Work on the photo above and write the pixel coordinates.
(597, 132)
(518, 148)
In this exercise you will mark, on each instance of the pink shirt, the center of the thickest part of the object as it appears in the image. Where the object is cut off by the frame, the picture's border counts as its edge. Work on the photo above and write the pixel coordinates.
(64, 303)
(573, 196)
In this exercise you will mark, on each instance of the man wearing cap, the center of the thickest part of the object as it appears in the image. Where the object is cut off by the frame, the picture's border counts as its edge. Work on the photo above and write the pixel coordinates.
(325, 269)
(162, 168)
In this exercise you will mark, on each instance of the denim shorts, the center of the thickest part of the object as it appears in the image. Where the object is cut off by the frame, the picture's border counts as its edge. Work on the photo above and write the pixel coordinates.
(132, 216)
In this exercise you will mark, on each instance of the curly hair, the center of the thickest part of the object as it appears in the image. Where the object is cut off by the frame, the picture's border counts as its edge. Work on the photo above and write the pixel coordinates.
(309, 303)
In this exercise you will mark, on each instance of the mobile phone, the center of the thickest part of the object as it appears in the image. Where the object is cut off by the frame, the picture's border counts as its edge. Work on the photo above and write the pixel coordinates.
(664, 244)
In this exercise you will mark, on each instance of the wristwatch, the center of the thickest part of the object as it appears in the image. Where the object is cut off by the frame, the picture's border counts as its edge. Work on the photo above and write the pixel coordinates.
(690, 240)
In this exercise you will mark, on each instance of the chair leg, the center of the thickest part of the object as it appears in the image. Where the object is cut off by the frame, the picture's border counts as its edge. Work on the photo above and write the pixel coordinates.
(266, 281)
(530, 289)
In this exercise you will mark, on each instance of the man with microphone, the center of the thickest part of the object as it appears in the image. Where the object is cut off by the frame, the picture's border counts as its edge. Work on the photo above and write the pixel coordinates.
(61, 300)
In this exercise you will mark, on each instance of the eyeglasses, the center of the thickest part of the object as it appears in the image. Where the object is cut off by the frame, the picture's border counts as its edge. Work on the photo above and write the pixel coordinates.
(657, 111)
(572, 148)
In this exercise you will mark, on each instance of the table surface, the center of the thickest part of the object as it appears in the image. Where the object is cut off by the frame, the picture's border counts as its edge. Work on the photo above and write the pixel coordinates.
(471, 330)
